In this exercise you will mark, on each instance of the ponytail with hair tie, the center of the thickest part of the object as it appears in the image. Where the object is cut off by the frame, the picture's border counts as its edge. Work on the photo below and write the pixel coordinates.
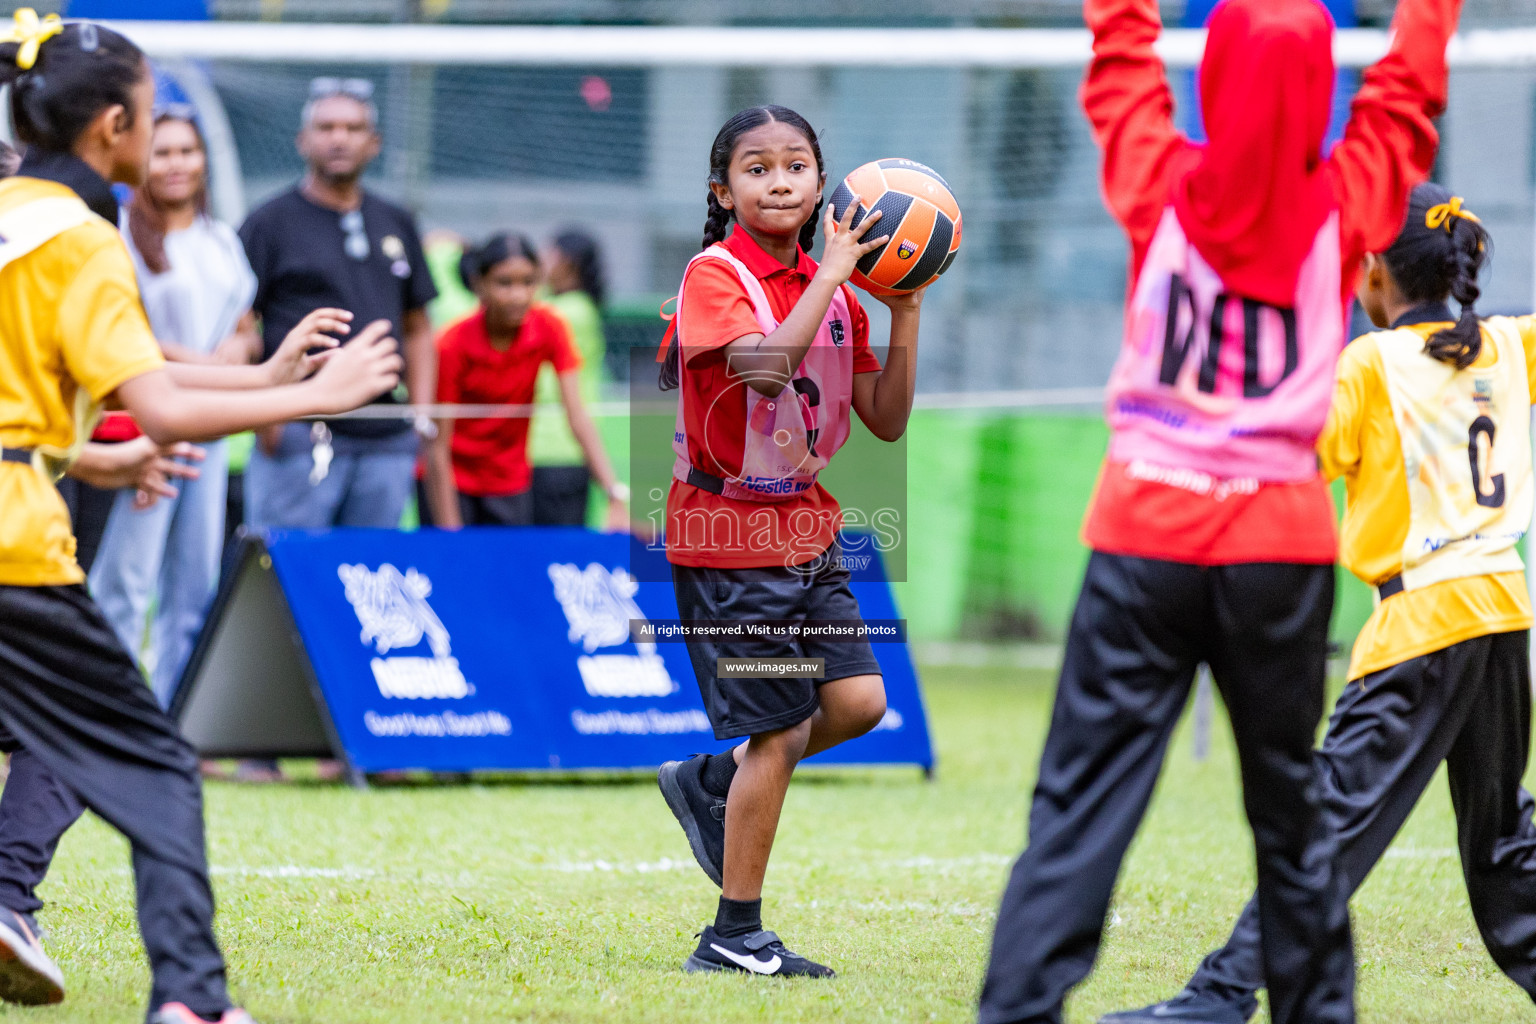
(1439, 254)
(63, 74)
(31, 32)
(717, 221)
(1447, 213)
(1460, 345)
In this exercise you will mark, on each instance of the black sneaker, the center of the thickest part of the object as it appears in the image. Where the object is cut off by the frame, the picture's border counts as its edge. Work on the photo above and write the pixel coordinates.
(1191, 1007)
(757, 953)
(27, 976)
(700, 812)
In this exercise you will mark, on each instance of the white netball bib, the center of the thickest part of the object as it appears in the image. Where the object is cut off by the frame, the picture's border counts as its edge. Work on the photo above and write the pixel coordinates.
(1465, 437)
(23, 229)
(26, 227)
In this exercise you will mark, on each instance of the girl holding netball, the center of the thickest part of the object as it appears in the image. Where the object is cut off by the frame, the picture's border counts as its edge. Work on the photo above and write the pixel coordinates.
(1212, 530)
(73, 335)
(1441, 672)
(770, 345)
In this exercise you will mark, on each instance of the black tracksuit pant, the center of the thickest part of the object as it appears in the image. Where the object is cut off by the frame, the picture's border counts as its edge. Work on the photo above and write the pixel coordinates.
(91, 734)
(36, 809)
(1140, 629)
(1468, 705)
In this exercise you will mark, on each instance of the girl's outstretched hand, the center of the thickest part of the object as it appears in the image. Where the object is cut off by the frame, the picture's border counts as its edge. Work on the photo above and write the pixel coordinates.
(296, 358)
(359, 371)
(845, 244)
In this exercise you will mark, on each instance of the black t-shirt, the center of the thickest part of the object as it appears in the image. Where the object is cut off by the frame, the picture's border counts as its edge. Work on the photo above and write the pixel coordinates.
(299, 252)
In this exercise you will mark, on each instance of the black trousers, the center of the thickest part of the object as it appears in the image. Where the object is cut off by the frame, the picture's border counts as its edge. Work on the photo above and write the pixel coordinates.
(560, 495)
(89, 508)
(36, 809)
(1140, 629)
(90, 734)
(497, 510)
(1468, 705)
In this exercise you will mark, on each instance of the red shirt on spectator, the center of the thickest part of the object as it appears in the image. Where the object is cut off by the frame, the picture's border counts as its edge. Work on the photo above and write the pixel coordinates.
(490, 456)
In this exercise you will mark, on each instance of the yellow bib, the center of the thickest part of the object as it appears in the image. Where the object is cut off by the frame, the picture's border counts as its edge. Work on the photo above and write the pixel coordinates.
(1466, 447)
(22, 230)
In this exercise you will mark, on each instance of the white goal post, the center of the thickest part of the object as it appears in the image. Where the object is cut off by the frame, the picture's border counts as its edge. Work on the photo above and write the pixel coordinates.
(688, 46)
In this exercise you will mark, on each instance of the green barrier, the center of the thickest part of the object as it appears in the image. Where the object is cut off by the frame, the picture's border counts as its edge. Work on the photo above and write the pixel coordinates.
(995, 503)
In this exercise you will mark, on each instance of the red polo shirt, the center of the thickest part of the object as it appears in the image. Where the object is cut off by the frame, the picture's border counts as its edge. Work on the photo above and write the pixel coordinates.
(490, 456)
(705, 529)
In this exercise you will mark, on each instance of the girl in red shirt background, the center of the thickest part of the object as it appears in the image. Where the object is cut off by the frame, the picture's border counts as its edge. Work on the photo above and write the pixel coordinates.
(477, 471)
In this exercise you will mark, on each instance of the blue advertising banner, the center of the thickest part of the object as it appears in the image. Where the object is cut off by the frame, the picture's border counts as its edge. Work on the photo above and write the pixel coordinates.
(511, 649)
(142, 10)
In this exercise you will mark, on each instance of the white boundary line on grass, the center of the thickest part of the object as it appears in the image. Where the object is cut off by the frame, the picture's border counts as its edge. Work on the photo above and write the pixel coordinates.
(1422, 853)
(295, 871)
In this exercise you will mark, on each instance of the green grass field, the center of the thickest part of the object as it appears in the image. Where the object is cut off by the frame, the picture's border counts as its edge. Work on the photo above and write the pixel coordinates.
(576, 901)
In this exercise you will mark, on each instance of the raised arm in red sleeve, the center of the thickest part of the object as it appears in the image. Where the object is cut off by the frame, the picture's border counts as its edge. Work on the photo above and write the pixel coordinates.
(1127, 100)
(1390, 141)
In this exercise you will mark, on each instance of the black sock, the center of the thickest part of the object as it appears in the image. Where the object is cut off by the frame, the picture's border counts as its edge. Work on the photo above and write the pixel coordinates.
(719, 770)
(736, 918)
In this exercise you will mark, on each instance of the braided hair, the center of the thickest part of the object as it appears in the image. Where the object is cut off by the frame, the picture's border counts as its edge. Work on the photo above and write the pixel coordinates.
(74, 75)
(717, 220)
(1438, 255)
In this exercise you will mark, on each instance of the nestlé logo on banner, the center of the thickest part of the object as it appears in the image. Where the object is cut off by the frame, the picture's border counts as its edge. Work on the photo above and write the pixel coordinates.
(599, 604)
(393, 610)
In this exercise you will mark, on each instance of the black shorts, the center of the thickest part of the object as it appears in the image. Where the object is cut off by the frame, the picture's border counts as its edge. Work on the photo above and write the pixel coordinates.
(818, 592)
(560, 495)
(497, 509)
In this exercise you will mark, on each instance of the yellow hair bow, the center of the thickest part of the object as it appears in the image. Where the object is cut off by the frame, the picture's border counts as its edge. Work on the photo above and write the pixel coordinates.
(31, 32)
(1444, 214)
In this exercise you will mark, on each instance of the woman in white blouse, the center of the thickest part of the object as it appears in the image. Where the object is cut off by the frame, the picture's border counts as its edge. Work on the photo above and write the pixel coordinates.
(197, 289)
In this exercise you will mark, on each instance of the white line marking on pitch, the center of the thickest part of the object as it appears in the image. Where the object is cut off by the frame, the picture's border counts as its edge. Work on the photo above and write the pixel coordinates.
(1422, 853)
(955, 909)
(294, 871)
(941, 864)
(612, 867)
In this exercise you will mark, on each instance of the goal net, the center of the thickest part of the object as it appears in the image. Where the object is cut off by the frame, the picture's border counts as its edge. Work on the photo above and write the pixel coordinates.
(608, 129)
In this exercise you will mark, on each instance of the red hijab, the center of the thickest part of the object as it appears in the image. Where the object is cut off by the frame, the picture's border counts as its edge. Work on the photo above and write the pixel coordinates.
(1257, 195)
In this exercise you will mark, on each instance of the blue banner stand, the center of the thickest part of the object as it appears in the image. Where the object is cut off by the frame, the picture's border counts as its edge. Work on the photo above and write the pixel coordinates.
(479, 650)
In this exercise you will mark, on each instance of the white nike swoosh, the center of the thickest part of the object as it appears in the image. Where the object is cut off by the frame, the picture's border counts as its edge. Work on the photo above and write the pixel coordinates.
(751, 963)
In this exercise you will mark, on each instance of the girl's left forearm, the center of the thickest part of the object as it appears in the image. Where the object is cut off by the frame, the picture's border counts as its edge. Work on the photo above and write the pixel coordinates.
(897, 383)
(585, 432)
(219, 377)
(592, 450)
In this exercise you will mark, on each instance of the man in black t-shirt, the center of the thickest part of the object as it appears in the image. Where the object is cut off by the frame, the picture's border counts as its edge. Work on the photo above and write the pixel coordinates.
(327, 242)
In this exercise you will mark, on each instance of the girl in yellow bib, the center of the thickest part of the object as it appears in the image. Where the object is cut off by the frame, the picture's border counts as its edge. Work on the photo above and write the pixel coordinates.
(1430, 429)
(73, 336)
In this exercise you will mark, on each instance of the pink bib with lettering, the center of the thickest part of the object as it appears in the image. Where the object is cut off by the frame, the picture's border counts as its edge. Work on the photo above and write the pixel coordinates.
(792, 436)
(1221, 384)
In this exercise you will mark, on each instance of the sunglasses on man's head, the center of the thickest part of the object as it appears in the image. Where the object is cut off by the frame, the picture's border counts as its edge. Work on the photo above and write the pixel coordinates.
(357, 88)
